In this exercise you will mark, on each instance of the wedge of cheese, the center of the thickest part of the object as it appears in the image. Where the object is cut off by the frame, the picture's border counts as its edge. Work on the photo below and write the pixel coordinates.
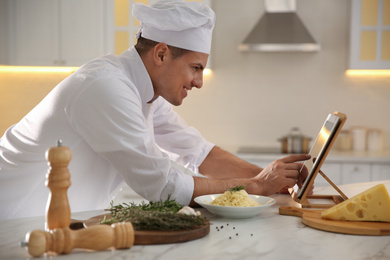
(370, 205)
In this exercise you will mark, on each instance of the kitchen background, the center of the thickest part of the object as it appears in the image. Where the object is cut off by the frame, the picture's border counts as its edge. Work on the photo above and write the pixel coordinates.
(250, 99)
(254, 98)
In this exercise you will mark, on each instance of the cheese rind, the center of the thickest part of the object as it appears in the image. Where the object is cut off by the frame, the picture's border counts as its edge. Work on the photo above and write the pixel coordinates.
(370, 205)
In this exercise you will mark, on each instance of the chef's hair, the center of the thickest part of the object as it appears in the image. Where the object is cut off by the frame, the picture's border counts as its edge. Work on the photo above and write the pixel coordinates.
(143, 45)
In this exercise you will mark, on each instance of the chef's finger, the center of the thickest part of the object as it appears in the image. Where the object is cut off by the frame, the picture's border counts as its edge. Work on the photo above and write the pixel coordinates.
(292, 174)
(290, 182)
(304, 173)
(295, 158)
(285, 190)
(293, 166)
(311, 191)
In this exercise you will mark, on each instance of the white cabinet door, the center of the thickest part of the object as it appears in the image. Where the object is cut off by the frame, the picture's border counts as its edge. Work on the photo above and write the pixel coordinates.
(369, 42)
(353, 173)
(380, 172)
(56, 32)
(33, 32)
(332, 171)
(81, 31)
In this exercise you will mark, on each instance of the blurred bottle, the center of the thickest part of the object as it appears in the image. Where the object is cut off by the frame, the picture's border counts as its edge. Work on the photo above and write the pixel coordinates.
(359, 138)
(374, 140)
(294, 141)
(343, 141)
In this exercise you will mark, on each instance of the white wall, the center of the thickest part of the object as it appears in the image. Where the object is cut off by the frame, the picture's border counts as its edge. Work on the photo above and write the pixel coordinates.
(252, 99)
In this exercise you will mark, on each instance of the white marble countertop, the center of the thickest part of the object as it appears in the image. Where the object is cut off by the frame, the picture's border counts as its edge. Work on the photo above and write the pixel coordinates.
(265, 236)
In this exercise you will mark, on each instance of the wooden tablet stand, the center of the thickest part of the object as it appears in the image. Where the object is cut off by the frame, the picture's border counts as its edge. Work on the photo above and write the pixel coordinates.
(305, 203)
(304, 200)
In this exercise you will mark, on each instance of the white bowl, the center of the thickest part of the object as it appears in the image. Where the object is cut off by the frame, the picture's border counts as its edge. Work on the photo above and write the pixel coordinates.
(235, 212)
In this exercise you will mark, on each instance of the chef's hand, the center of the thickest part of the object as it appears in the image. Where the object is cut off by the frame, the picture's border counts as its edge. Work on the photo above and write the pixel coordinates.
(301, 179)
(282, 174)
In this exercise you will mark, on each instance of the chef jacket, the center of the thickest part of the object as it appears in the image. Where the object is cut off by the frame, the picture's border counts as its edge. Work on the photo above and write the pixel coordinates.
(101, 112)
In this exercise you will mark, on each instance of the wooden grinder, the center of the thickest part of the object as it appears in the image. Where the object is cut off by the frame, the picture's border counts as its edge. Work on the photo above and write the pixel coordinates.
(63, 240)
(58, 181)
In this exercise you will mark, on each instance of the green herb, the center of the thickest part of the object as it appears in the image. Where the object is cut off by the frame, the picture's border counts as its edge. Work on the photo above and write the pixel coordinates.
(161, 215)
(167, 205)
(237, 188)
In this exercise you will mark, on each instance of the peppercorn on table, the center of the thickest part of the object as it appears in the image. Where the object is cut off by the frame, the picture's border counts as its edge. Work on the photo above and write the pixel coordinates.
(268, 235)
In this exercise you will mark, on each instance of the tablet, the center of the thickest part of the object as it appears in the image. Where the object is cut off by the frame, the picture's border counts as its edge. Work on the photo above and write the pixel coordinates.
(320, 149)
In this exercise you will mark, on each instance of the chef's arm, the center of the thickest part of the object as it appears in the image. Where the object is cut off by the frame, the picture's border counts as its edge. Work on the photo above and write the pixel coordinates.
(220, 164)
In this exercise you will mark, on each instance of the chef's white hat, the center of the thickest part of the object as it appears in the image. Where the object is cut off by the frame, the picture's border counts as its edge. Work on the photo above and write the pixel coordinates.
(179, 23)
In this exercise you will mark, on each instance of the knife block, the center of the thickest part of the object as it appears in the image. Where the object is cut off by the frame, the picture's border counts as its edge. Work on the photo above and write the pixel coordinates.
(58, 181)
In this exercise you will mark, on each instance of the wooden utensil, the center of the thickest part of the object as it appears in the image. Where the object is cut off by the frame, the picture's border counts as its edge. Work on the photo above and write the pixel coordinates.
(63, 240)
(58, 181)
(312, 218)
(148, 237)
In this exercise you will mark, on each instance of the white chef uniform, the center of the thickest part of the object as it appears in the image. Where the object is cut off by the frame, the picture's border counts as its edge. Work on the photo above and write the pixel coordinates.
(101, 112)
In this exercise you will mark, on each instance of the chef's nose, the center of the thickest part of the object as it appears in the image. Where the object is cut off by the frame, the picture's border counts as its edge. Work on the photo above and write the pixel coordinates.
(198, 81)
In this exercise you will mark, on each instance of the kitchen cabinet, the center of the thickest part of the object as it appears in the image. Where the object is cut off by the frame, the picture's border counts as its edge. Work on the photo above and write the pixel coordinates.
(370, 34)
(356, 172)
(3, 33)
(65, 32)
(381, 172)
(55, 32)
(332, 171)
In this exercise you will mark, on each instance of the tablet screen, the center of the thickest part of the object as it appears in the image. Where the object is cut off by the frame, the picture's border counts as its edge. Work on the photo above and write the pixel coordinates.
(319, 148)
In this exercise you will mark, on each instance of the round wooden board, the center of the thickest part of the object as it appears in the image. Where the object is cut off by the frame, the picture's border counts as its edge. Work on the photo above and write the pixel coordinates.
(312, 218)
(346, 227)
(146, 237)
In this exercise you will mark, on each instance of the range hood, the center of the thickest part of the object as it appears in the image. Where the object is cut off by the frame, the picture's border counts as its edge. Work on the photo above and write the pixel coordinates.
(279, 29)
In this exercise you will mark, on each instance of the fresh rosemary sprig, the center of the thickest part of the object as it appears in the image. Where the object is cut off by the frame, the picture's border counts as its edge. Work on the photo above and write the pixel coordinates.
(167, 205)
(161, 215)
(237, 188)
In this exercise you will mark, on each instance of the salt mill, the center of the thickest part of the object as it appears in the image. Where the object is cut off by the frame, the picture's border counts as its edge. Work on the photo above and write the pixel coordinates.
(58, 181)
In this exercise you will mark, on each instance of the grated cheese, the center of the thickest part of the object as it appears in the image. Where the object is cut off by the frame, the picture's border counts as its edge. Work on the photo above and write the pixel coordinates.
(234, 199)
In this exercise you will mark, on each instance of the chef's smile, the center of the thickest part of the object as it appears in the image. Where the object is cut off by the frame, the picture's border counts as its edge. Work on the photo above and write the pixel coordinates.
(185, 91)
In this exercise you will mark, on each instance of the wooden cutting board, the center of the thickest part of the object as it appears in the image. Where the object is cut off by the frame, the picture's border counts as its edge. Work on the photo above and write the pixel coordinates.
(156, 237)
(312, 218)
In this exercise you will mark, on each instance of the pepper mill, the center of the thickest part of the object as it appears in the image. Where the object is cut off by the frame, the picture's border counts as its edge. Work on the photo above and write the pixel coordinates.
(63, 240)
(58, 181)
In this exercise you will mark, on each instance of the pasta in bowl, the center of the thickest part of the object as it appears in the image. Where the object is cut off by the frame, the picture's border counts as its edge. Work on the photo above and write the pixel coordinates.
(235, 205)
(238, 198)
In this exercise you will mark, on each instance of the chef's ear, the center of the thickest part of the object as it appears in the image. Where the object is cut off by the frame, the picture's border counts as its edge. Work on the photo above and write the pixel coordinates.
(161, 51)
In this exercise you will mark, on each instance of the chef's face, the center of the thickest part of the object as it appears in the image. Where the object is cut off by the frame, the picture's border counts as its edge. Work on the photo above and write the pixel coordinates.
(178, 76)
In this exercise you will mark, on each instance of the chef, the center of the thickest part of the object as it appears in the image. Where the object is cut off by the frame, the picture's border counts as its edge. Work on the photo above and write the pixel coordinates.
(115, 114)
